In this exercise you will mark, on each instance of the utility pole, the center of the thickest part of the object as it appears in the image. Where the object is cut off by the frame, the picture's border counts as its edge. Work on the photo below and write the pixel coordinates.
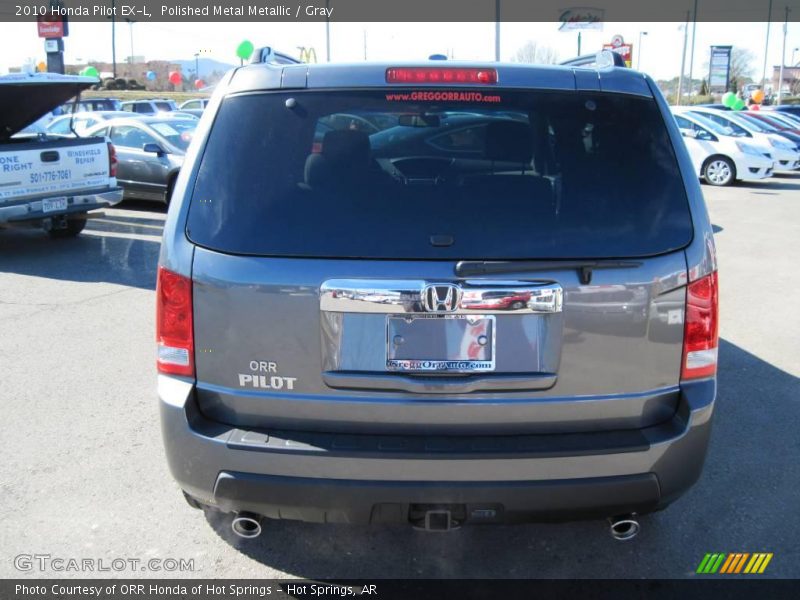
(497, 30)
(365, 44)
(691, 54)
(766, 48)
(197, 65)
(783, 53)
(579, 44)
(327, 32)
(113, 38)
(639, 53)
(683, 61)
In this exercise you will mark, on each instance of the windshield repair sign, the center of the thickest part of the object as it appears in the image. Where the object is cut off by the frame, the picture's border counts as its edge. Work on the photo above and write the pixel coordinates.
(23, 173)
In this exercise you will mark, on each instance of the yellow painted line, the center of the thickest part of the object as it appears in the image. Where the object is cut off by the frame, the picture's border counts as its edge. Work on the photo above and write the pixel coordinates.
(752, 562)
(741, 563)
(728, 561)
(765, 563)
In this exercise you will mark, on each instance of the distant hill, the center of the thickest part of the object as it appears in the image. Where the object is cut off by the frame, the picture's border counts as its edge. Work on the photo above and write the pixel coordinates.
(207, 66)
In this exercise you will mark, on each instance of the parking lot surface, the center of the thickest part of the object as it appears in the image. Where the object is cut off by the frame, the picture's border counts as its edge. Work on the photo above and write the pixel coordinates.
(83, 473)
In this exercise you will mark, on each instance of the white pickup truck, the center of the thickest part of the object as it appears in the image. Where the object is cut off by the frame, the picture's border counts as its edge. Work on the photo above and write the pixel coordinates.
(50, 181)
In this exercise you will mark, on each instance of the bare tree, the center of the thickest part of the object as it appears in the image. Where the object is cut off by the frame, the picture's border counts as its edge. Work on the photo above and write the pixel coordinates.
(533, 53)
(742, 66)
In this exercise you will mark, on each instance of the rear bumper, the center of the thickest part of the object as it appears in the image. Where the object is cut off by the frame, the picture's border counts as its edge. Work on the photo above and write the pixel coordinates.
(31, 210)
(378, 478)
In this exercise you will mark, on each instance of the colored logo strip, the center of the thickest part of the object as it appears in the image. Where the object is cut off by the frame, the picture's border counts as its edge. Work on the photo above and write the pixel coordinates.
(734, 562)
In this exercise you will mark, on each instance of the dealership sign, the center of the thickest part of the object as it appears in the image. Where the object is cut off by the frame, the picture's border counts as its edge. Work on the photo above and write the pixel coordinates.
(52, 27)
(621, 47)
(719, 68)
(581, 17)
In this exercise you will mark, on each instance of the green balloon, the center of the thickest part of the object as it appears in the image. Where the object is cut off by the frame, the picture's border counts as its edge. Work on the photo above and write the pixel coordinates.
(729, 99)
(90, 72)
(245, 50)
(739, 104)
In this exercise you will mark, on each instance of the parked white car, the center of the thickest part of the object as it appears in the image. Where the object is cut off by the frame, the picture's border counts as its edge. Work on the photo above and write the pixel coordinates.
(719, 157)
(785, 153)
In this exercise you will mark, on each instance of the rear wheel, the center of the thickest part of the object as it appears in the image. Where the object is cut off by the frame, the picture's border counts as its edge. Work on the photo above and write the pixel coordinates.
(73, 228)
(719, 171)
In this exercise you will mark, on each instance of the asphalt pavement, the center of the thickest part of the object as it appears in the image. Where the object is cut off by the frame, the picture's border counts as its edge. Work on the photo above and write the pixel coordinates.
(83, 473)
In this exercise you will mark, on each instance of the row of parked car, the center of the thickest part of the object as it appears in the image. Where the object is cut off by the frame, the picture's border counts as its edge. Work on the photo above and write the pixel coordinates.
(727, 146)
(150, 138)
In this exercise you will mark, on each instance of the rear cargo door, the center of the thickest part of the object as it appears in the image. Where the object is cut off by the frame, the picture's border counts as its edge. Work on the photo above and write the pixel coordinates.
(374, 262)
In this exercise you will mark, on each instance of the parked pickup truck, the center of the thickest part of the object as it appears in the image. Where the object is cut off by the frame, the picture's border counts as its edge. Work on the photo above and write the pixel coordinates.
(50, 181)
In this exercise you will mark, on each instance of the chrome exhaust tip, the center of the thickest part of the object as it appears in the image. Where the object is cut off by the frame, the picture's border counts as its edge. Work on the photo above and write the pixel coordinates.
(625, 527)
(246, 525)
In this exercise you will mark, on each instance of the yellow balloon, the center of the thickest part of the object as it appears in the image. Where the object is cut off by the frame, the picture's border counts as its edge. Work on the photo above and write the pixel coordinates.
(42, 66)
(757, 96)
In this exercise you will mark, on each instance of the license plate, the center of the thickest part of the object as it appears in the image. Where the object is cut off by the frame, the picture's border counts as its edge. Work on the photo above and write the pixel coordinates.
(53, 204)
(440, 343)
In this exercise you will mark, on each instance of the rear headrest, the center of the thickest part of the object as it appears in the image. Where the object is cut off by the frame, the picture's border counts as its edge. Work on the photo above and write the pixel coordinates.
(509, 141)
(347, 146)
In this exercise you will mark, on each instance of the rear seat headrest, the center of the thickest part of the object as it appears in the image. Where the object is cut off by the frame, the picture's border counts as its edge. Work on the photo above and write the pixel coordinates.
(347, 146)
(510, 141)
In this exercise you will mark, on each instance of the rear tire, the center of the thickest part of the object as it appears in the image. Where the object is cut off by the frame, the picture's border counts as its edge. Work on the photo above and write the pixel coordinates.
(719, 171)
(73, 228)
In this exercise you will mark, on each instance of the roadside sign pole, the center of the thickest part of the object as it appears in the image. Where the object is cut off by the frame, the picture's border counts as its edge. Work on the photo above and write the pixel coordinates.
(766, 47)
(683, 62)
(783, 55)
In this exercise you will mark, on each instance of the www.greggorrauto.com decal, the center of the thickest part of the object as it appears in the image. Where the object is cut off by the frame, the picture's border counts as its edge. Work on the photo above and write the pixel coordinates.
(443, 96)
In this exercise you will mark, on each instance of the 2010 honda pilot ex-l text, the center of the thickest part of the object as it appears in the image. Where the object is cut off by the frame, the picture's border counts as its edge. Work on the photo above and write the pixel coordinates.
(436, 294)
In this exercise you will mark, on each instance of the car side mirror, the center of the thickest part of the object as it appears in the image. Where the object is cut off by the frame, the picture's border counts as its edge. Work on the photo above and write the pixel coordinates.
(690, 133)
(153, 148)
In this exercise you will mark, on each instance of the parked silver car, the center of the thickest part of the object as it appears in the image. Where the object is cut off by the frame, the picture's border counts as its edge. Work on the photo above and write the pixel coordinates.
(150, 151)
(518, 323)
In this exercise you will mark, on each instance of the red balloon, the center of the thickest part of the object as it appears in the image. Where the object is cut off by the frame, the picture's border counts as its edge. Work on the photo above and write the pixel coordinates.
(755, 107)
(199, 83)
(175, 77)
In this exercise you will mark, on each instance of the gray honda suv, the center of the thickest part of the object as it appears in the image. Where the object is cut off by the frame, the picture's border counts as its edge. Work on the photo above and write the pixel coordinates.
(437, 294)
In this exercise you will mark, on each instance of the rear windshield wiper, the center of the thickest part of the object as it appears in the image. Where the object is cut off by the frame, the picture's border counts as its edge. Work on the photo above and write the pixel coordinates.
(471, 268)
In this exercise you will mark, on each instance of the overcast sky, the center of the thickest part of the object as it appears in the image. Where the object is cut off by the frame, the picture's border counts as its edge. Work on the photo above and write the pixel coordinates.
(661, 52)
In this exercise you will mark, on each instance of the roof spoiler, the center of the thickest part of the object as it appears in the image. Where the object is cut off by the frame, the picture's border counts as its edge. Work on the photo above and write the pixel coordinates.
(602, 60)
(268, 56)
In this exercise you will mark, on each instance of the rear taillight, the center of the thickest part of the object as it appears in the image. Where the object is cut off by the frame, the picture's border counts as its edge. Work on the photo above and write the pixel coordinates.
(441, 75)
(701, 330)
(174, 332)
(112, 160)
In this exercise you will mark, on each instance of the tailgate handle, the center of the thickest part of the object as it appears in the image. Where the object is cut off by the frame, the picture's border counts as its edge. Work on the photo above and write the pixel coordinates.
(417, 296)
(49, 156)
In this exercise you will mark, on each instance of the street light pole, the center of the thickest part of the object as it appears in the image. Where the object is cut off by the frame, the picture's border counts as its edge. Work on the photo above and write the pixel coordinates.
(497, 30)
(327, 32)
(766, 47)
(113, 38)
(683, 61)
(197, 65)
(639, 55)
(691, 54)
(130, 30)
(783, 53)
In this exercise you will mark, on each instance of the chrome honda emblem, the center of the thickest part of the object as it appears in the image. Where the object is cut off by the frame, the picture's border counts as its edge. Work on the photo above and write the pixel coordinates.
(441, 297)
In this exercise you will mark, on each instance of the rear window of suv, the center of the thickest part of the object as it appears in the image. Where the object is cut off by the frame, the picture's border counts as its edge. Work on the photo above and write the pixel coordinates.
(450, 175)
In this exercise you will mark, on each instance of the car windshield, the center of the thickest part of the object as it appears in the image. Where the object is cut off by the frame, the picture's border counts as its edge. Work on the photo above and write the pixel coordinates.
(715, 127)
(439, 175)
(178, 132)
(758, 124)
(163, 105)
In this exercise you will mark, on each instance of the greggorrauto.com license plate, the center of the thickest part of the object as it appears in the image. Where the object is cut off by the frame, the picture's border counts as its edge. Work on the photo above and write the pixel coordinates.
(440, 343)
